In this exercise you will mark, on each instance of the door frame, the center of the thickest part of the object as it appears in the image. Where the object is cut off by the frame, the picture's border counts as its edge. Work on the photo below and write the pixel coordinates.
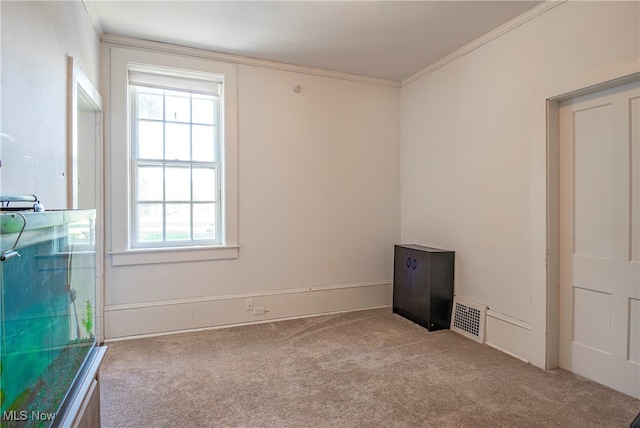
(81, 90)
(553, 202)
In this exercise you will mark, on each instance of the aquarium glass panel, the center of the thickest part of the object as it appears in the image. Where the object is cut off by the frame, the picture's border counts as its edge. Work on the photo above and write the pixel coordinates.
(47, 318)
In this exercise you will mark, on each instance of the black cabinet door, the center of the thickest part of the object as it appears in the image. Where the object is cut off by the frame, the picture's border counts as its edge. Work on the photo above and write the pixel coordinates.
(402, 278)
(420, 286)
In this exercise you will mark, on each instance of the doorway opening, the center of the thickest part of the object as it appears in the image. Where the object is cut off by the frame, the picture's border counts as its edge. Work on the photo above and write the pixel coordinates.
(85, 184)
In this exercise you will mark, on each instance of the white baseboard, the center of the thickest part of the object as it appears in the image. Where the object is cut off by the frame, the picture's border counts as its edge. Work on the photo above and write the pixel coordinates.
(154, 318)
(508, 335)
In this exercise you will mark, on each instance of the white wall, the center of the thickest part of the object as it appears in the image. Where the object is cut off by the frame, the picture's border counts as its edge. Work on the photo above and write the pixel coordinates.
(473, 156)
(37, 37)
(318, 212)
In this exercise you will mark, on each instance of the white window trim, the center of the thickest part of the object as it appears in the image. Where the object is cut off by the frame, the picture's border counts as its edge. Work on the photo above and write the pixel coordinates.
(121, 60)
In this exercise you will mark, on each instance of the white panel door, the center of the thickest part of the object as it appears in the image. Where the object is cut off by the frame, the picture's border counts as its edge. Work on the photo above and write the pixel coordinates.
(600, 237)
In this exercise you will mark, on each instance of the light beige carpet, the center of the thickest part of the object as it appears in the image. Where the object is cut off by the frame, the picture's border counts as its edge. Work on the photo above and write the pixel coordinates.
(360, 369)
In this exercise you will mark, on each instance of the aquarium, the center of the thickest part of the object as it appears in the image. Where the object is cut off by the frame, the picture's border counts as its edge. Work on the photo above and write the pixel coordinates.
(47, 308)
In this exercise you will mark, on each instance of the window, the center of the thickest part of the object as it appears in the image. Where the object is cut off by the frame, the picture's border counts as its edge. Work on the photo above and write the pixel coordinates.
(175, 136)
(171, 158)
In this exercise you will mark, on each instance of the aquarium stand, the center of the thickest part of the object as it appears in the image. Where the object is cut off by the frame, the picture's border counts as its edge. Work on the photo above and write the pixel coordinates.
(82, 407)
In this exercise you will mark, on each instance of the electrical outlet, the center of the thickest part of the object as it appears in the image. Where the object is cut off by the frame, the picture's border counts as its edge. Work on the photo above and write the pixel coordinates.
(248, 305)
(258, 310)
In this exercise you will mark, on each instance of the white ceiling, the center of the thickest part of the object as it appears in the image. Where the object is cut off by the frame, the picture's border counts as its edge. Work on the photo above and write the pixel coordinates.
(384, 39)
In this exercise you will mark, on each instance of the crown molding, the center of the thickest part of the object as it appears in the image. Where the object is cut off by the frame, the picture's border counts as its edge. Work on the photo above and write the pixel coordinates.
(546, 6)
(93, 17)
(243, 60)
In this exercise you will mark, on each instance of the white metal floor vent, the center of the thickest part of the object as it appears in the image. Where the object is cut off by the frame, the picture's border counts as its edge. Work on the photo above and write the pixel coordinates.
(468, 319)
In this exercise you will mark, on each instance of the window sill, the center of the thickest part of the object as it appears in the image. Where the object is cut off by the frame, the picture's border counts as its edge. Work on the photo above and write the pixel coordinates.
(172, 255)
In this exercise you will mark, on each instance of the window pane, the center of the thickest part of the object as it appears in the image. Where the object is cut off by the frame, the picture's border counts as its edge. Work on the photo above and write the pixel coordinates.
(203, 143)
(149, 105)
(177, 108)
(149, 183)
(178, 184)
(204, 184)
(149, 222)
(204, 221)
(178, 222)
(203, 109)
(150, 140)
(177, 144)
